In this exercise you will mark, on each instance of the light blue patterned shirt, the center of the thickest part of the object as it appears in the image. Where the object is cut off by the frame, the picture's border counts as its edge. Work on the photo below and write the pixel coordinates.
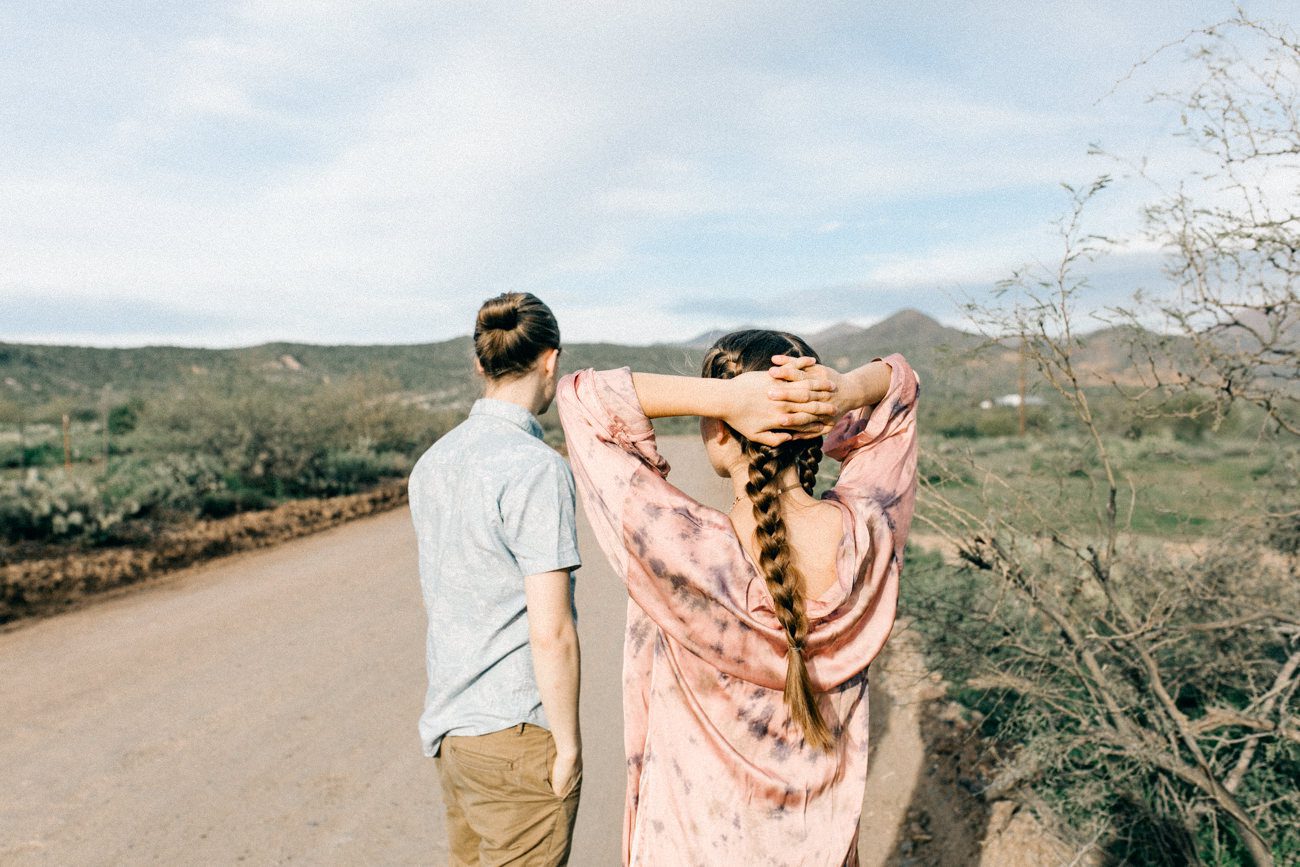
(491, 503)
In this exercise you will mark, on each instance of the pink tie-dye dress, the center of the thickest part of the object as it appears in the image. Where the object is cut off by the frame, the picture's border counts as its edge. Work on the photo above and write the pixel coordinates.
(717, 772)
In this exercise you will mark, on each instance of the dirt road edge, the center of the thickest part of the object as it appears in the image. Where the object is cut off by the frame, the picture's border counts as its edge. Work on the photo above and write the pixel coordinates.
(43, 587)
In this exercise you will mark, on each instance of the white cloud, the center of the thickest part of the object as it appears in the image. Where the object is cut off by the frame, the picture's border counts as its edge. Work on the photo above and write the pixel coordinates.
(349, 171)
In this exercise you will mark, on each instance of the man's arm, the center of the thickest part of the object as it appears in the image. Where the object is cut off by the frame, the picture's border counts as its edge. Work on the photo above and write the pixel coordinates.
(556, 662)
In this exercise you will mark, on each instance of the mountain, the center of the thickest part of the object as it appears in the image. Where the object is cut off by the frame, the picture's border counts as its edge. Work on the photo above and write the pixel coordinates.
(838, 331)
(68, 378)
(705, 339)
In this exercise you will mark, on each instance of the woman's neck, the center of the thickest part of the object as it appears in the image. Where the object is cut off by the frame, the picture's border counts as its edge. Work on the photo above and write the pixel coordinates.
(787, 482)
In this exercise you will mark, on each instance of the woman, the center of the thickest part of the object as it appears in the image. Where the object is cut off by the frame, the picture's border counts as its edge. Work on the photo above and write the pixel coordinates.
(749, 633)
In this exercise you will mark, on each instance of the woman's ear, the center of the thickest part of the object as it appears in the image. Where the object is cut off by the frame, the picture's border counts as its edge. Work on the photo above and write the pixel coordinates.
(478, 368)
(715, 431)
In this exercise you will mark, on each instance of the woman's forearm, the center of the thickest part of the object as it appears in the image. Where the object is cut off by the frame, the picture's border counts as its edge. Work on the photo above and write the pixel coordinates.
(863, 386)
(662, 395)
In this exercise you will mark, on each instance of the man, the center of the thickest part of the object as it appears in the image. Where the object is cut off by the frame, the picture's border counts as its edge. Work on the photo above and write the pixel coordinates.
(493, 509)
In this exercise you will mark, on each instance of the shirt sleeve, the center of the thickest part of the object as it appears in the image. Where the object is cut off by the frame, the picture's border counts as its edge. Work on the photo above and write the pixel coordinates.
(877, 448)
(538, 517)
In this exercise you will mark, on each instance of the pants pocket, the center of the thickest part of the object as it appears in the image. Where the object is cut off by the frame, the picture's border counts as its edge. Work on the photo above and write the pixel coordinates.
(474, 760)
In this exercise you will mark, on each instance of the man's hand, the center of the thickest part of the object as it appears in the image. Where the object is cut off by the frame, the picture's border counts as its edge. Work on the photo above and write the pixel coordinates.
(566, 767)
(759, 416)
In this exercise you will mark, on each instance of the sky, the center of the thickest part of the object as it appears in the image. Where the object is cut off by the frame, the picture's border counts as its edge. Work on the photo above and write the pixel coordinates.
(230, 173)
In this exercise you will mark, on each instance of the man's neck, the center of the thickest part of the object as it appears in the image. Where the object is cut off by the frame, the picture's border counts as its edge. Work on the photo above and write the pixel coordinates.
(520, 392)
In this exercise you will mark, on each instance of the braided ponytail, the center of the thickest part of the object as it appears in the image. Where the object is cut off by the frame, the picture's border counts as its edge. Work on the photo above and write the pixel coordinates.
(732, 355)
(765, 463)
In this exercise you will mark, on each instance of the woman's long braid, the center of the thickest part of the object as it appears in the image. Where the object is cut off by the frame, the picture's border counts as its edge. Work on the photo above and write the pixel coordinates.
(763, 489)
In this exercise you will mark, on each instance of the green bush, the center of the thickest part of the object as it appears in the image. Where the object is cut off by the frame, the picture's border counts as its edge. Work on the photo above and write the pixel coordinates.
(227, 502)
(42, 454)
(123, 418)
(347, 471)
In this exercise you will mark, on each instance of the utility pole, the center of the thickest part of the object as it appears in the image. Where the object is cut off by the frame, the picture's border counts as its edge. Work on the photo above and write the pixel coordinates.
(67, 445)
(1020, 405)
(103, 418)
(22, 437)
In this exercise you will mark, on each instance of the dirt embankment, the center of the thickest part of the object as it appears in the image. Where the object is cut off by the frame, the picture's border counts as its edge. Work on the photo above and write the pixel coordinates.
(929, 784)
(49, 585)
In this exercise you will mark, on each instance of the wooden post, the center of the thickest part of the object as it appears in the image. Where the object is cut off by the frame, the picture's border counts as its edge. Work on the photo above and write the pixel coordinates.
(67, 445)
(22, 438)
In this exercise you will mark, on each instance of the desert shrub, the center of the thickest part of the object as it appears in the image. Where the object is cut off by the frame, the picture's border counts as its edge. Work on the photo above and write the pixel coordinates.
(1075, 702)
(147, 487)
(1145, 688)
(51, 507)
(288, 439)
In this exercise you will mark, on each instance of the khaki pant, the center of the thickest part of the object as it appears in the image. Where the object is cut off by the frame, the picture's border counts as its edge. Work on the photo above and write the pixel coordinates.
(500, 806)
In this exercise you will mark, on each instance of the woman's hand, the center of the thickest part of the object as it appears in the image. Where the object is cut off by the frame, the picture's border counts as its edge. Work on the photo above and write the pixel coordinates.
(809, 386)
(770, 419)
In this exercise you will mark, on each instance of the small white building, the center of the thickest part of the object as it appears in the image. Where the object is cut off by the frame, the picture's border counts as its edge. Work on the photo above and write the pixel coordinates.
(1012, 400)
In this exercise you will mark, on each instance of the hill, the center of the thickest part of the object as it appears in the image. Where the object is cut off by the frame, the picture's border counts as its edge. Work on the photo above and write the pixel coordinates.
(439, 375)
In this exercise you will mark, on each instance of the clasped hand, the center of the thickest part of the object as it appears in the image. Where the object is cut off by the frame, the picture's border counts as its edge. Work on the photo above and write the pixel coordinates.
(794, 399)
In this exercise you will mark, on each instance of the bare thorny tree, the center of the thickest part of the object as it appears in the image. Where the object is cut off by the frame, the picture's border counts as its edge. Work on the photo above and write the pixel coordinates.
(1152, 683)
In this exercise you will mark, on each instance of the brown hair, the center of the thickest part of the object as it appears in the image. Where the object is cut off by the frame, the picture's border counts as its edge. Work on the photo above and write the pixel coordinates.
(511, 331)
(732, 355)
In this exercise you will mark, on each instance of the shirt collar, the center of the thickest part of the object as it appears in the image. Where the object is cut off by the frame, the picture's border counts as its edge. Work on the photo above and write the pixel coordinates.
(511, 412)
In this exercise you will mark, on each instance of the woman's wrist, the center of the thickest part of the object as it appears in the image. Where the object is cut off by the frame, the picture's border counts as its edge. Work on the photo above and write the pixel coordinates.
(864, 386)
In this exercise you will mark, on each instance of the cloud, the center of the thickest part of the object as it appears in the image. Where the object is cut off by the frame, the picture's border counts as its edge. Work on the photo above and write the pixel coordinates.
(46, 317)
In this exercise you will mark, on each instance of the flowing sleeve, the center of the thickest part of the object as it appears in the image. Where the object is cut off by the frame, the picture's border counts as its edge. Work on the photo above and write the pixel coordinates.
(680, 561)
(876, 447)
(609, 439)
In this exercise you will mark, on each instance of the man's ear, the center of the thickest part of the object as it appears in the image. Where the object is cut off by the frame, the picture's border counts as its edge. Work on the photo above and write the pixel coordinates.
(550, 361)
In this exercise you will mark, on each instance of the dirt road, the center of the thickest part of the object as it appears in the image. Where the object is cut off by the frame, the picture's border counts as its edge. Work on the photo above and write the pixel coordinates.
(262, 709)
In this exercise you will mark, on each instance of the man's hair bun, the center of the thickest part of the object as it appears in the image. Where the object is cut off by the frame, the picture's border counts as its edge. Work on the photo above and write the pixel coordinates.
(502, 317)
(511, 331)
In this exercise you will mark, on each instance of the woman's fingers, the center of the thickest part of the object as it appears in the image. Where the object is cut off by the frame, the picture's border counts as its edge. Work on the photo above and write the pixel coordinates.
(789, 373)
(772, 437)
(790, 368)
(797, 419)
(802, 392)
(819, 409)
(800, 361)
(811, 431)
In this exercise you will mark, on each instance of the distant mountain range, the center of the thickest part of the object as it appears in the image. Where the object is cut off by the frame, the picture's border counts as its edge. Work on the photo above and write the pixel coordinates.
(955, 363)
(902, 322)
